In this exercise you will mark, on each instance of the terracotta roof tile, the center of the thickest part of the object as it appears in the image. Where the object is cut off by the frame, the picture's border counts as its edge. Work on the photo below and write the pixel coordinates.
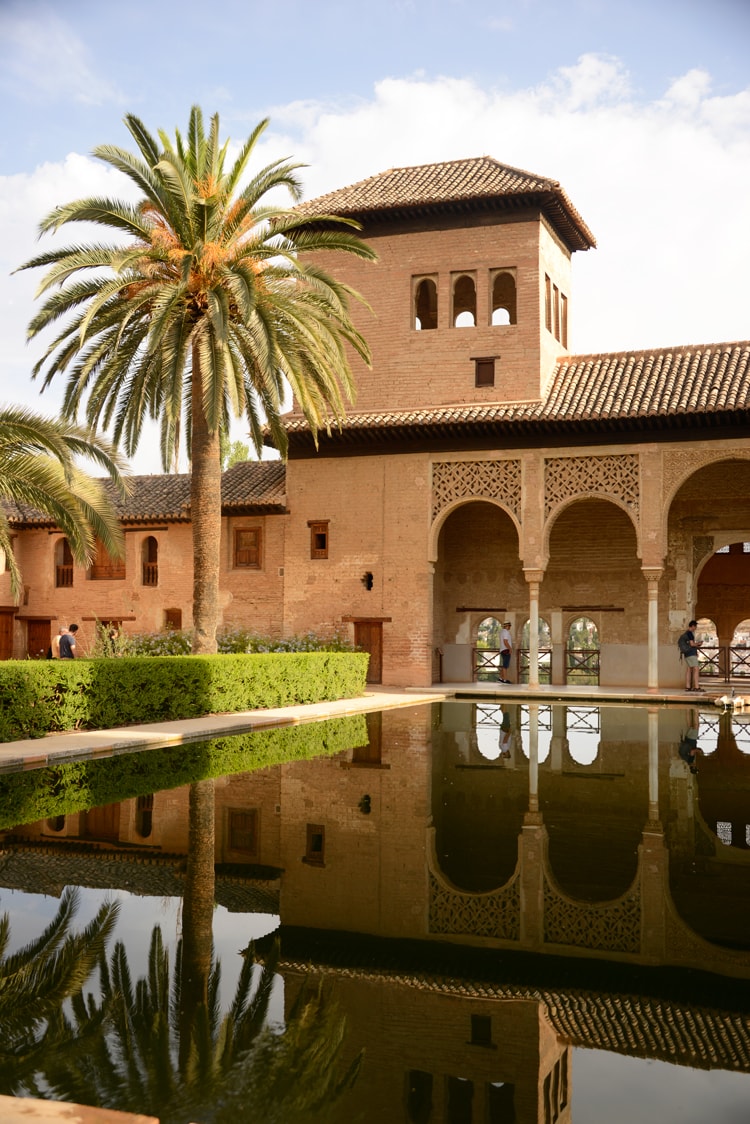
(251, 484)
(478, 180)
(697, 382)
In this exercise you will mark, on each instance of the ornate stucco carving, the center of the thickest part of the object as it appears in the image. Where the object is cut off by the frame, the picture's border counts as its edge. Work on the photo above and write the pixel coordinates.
(459, 480)
(612, 475)
(703, 545)
(680, 464)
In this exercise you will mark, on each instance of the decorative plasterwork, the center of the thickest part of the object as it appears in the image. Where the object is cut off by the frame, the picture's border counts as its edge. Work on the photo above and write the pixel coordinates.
(703, 545)
(615, 476)
(482, 915)
(680, 464)
(476, 480)
(614, 927)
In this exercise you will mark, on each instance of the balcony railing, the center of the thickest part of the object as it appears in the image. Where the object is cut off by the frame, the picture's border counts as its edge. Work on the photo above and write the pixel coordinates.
(63, 576)
(582, 666)
(724, 662)
(150, 573)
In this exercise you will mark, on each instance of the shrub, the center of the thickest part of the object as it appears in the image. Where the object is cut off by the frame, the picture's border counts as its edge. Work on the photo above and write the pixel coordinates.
(231, 641)
(52, 695)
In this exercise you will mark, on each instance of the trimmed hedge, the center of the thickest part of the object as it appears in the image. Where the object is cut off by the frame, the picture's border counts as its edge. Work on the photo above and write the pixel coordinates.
(42, 696)
(65, 788)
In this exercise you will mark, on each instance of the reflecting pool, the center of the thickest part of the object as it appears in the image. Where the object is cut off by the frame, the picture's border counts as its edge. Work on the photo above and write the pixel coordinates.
(472, 912)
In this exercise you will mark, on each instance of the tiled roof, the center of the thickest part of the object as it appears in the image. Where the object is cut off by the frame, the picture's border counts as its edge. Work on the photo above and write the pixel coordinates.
(707, 385)
(480, 181)
(248, 486)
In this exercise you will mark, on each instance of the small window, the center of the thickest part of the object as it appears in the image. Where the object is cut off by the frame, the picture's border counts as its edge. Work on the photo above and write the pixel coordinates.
(464, 302)
(484, 372)
(318, 538)
(173, 619)
(144, 816)
(563, 320)
(247, 548)
(316, 844)
(547, 303)
(63, 564)
(104, 567)
(243, 832)
(481, 1030)
(150, 561)
(504, 298)
(425, 305)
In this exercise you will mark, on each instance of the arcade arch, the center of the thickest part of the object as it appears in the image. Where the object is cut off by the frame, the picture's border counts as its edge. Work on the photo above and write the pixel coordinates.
(478, 577)
(594, 572)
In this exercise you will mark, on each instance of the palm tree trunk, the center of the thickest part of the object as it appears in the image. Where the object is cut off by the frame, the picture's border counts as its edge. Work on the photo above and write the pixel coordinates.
(205, 513)
(197, 911)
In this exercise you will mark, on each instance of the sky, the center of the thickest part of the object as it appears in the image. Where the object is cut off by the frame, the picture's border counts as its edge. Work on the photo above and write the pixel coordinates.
(639, 108)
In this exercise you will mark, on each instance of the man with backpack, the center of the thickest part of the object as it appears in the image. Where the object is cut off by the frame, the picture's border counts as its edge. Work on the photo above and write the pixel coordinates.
(688, 645)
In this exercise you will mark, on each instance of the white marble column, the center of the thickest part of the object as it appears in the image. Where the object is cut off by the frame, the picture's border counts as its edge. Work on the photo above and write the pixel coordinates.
(652, 576)
(534, 578)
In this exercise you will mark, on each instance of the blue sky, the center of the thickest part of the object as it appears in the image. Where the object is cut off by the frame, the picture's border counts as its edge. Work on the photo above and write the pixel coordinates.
(640, 108)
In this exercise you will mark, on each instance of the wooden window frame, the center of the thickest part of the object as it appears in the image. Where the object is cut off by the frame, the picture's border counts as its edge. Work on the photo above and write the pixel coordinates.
(485, 370)
(238, 551)
(319, 537)
(315, 855)
(251, 828)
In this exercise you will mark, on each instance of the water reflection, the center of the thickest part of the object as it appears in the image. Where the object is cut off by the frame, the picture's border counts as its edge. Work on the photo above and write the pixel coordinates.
(483, 887)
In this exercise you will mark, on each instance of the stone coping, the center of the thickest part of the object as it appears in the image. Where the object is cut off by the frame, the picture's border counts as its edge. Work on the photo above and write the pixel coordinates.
(31, 753)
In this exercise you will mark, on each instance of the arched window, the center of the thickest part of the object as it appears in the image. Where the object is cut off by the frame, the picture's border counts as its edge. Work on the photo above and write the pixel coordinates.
(545, 652)
(464, 302)
(63, 564)
(144, 816)
(504, 299)
(582, 662)
(487, 662)
(104, 567)
(425, 305)
(150, 561)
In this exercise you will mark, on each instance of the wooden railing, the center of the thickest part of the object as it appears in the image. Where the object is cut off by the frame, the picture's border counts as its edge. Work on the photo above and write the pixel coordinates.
(724, 662)
(544, 666)
(63, 576)
(150, 573)
(582, 666)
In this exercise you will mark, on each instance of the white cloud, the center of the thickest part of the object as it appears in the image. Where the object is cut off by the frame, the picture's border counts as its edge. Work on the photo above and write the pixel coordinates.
(43, 60)
(662, 185)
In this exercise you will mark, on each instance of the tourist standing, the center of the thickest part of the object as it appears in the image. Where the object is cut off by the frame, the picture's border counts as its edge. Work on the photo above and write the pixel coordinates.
(506, 651)
(68, 643)
(688, 646)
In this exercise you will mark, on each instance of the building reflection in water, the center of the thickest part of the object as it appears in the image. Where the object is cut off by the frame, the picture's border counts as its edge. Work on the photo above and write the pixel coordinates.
(485, 885)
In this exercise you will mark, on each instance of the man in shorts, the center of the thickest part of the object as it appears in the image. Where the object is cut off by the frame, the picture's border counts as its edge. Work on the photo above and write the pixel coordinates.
(506, 651)
(692, 670)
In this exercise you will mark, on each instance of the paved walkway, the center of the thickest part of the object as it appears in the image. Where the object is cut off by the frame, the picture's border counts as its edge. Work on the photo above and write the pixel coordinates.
(86, 744)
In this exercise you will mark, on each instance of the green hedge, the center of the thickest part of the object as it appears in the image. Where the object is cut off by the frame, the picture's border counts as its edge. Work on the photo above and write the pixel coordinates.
(42, 696)
(65, 788)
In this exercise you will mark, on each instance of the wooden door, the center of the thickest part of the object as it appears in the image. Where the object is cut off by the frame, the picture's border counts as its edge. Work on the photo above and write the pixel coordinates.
(103, 823)
(38, 636)
(368, 635)
(6, 636)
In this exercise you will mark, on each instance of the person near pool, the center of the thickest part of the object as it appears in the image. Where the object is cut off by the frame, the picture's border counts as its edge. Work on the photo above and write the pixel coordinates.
(689, 646)
(506, 651)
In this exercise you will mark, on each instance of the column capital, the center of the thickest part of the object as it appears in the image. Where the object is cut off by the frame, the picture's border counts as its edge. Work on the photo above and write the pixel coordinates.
(533, 575)
(652, 573)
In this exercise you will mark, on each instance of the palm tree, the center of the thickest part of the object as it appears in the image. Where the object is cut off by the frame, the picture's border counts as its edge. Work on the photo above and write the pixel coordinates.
(232, 1067)
(35, 982)
(210, 303)
(38, 468)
